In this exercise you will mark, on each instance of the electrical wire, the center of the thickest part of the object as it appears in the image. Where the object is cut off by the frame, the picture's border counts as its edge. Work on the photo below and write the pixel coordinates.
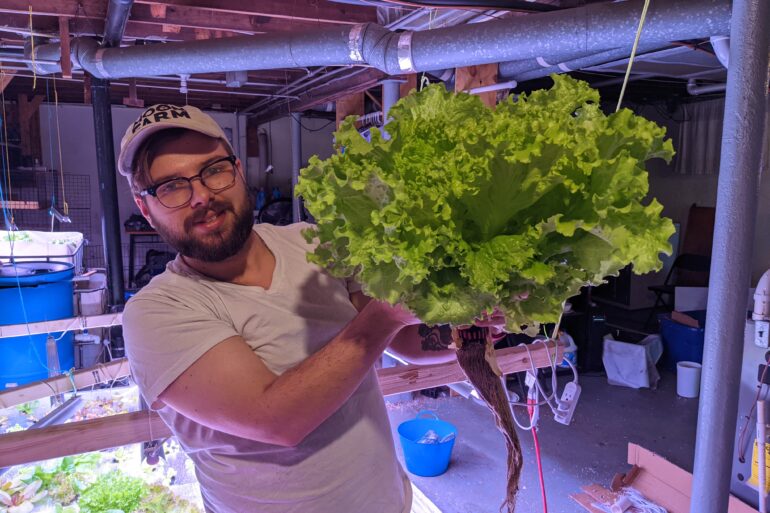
(742, 445)
(539, 463)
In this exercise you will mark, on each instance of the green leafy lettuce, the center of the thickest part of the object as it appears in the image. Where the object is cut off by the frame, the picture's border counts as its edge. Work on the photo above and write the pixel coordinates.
(465, 208)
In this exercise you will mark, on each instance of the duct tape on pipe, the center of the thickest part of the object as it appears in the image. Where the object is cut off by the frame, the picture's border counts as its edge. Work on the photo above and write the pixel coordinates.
(544, 63)
(355, 42)
(564, 67)
(405, 62)
(99, 63)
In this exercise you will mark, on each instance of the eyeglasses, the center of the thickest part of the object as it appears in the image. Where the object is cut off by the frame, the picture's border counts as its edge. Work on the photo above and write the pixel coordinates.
(177, 192)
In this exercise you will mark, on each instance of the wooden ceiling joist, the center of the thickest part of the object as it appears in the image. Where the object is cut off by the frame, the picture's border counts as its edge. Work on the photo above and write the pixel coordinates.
(317, 11)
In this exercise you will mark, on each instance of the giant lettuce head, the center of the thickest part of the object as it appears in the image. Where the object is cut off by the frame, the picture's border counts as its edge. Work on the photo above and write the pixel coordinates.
(465, 208)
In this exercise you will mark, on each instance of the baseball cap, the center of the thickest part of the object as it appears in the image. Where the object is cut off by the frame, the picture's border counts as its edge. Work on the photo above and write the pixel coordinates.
(160, 117)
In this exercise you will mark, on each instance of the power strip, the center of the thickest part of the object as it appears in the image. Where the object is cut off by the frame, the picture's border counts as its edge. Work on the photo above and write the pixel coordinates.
(567, 404)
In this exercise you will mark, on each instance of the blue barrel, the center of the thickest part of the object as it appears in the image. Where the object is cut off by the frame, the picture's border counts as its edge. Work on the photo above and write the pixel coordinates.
(34, 292)
(427, 459)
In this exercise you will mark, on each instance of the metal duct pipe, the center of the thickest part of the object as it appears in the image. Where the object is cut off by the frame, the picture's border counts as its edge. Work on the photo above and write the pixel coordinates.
(391, 92)
(115, 23)
(721, 46)
(532, 69)
(736, 217)
(589, 29)
(296, 164)
(694, 89)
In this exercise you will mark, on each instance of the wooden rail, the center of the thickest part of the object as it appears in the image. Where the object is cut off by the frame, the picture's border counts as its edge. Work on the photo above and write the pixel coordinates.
(128, 428)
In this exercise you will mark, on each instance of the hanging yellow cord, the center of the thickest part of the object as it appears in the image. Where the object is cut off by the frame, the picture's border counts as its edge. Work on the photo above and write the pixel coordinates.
(633, 53)
(58, 143)
(6, 150)
(32, 42)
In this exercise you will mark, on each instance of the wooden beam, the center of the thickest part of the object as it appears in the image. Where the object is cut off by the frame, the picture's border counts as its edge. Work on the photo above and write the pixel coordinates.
(61, 384)
(470, 77)
(312, 11)
(351, 105)
(64, 38)
(5, 78)
(158, 11)
(409, 378)
(409, 84)
(29, 124)
(132, 100)
(128, 428)
(68, 324)
(241, 14)
(359, 80)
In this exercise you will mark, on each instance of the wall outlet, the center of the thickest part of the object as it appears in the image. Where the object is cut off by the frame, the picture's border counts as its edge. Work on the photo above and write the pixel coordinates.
(761, 329)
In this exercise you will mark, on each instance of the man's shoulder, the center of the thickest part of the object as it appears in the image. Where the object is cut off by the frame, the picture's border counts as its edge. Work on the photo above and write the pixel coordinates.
(167, 287)
(291, 234)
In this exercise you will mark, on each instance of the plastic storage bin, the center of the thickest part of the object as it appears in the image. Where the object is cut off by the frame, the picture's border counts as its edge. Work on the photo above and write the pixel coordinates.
(682, 343)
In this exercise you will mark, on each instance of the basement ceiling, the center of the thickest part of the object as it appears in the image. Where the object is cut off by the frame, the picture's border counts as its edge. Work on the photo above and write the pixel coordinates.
(273, 92)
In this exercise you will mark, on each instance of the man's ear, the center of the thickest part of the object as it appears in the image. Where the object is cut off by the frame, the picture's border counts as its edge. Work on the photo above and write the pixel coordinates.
(143, 208)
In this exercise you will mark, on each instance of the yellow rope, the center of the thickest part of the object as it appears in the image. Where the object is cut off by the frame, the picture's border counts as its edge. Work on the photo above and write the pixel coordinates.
(32, 42)
(58, 143)
(633, 52)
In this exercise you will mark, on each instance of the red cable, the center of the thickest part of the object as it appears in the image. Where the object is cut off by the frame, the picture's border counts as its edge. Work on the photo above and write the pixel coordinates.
(537, 455)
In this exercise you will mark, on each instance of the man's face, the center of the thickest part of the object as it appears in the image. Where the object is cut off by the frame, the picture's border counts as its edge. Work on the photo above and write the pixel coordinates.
(213, 226)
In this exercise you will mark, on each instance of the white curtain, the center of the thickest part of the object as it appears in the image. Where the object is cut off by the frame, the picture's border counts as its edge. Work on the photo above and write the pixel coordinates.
(700, 138)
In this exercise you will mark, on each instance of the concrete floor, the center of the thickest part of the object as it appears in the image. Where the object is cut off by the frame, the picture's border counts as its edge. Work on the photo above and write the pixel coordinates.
(591, 450)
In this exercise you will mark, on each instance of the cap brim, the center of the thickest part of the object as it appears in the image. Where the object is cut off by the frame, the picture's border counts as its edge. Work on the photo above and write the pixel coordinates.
(127, 154)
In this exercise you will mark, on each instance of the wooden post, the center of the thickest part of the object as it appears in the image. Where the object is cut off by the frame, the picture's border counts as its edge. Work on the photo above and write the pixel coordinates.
(411, 83)
(349, 106)
(476, 76)
(29, 123)
(64, 38)
(87, 89)
(131, 100)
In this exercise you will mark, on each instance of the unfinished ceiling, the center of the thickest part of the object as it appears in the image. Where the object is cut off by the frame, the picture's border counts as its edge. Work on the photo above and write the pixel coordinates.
(274, 92)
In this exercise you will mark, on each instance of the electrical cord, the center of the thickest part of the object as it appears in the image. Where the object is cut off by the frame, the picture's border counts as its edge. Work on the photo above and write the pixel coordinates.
(539, 463)
(742, 445)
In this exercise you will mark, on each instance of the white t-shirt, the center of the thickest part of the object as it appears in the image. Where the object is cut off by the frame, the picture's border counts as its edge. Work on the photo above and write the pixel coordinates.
(347, 465)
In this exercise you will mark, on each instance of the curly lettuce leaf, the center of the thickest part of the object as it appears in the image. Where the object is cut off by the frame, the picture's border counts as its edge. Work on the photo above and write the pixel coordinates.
(465, 208)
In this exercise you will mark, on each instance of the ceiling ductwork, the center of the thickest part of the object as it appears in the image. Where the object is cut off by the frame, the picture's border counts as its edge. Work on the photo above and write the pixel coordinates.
(553, 37)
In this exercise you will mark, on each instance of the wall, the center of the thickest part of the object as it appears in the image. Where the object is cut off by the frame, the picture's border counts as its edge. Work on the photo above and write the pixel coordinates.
(79, 153)
(317, 137)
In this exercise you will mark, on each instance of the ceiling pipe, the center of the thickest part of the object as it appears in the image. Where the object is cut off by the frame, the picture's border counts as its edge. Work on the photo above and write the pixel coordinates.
(694, 89)
(115, 22)
(592, 28)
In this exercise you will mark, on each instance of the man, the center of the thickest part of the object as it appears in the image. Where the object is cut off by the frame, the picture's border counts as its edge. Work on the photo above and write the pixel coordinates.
(259, 362)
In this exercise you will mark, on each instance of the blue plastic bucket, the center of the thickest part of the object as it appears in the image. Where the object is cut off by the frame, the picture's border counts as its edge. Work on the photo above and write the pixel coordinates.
(34, 292)
(682, 343)
(426, 459)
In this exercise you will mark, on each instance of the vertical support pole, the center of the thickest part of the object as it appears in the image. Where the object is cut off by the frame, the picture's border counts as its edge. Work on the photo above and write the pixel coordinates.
(108, 188)
(737, 198)
(64, 38)
(296, 164)
(391, 92)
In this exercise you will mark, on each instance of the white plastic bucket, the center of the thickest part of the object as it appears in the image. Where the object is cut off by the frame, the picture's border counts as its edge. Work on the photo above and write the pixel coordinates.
(688, 379)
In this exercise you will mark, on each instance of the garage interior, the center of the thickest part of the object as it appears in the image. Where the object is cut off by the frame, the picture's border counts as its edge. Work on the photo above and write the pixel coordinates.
(280, 78)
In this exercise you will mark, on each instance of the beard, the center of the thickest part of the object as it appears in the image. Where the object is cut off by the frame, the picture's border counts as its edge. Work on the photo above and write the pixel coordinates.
(213, 247)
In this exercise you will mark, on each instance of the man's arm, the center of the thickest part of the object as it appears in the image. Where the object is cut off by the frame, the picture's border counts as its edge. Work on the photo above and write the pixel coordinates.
(418, 344)
(231, 389)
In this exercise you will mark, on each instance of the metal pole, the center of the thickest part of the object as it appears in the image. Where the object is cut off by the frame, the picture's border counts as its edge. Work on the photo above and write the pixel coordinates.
(737, 198)
(296, 164)
(391, 92)
(108, 188)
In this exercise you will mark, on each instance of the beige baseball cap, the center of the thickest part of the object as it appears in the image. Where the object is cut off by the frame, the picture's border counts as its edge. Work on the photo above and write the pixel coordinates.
(160, 117)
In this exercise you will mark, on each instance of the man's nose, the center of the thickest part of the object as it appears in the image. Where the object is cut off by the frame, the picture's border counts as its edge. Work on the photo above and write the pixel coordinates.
(201, 195)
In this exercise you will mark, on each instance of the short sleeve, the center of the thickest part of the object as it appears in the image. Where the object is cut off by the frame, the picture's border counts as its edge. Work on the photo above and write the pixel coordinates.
(164, 336)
